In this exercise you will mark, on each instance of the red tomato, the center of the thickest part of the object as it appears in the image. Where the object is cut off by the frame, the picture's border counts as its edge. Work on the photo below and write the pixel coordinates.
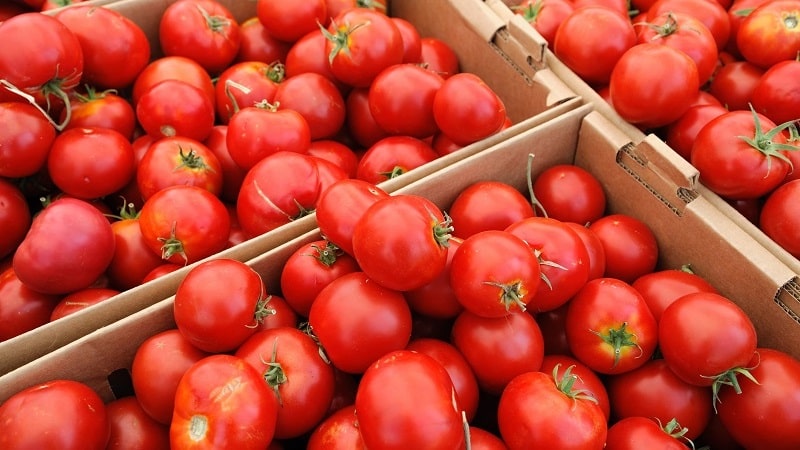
(317, 99)
(498, 348)
(222, 401)
(115, 48)
(232, 174)
(308, 54)
(336, 152)
(737, 12)
(569, 193)
(102, 109)
(769, 34)
(184, 224)
(178, 160)
(536, 403)
(649, 98)
(132, 428)
(706, 339)
(378, 321)
(26, 137)
(66, 231)
(68, 415)
(393, 156)
(401, 242)
(339, 431)
(256, 132)
(710, 13)
(733, 84)
(553, 326)
(359, 122)
(746, 415)
(545, 15)
(467, 110)
(644, 432)
(439, 56)
(662, 287)
(203, 30)
(22, 309)
(291, 20)
(777, 93)
(176, 108)
(257, 44)
(90, 163)
(15, 217)
(161, 270)
(412, 41)
(682, 133)
(279, 314)
(779, 217)
(594, 248)
(401, 100)
(221, 319)
(629, 245)
(246, 83)
(78, 300)
(133, 259)
(407, 400)
(587, 380)
(488, 205)
(172, 68)
(437, 298)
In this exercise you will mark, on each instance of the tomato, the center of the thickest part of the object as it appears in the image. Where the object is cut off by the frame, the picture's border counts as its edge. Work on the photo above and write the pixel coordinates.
(706, 339)
(393, 156)
(131, 427)
(390, 417)
(132, 259)
(662, 287)
(741, 155)
(203, 30)
(770, 33)
(481, 439)
(488, 205)
(359, 122)
(498, 348)
(164, 269)
(545, 15)
(232, 174)
(653, 390)
(412, 40)
(246, 83)
(777, 93)
(339, 431)
(335, 7)
(22, 308)
(437, 298)
(361, 43)
(401, 100)
(184, 224)
(308, 54)
(317, 99)
(644, 432)
(102, 109)
(587, 381)
(378, 321)
(629, 245)
(591, 40)
(336, 152)
(78, 300)
(258, 45)
(279, 314)
(438, 56)
(115, 48)
(26, 137)
(46, 79)
(553, 326)
(15, 217)
(256, 132)
(746, 415)
(710, 13)
(652, 99)
(221, 319)
(400, 242)
(289, 21)
(594, 249)
(685, 32)
(309, 269)
(66, 231)
(534, 404)
(280, 188)
(178, 160)
(682, 133)
(175, 108)
(569, 193)
(329, 172)
(737, 12)
(222, 401)
(172, 68)
(733, 84)
(79, 421)
(779, 217)
(91, 163)
(467, 110)
(461, 374)
(340, 208)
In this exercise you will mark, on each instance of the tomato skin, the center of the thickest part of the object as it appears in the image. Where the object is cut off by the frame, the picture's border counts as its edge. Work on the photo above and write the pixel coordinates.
(498, 348)
(545, 16)
(437, 298)
(587, 379)
(779, 217)
(630, 247)
(640, 432)
(662, 287)
(777, 93)
(710, 13)
(340, 208)
(131, 427)
(172, 68)
(289, 21)
(176, 108)
(486, 205)
(259, 81)
(746, 415)
(317, 99)
(393, 156)
(78, 300)
(430, 418)
(256, 132)
(178, 160)
(594, 249)
(132, 259)
(232, 174)
(770, 33)
(359, 122)
(22, 308)
(258, 45)
(467, 110)
(401, 100)
(222, 401)
(439, 56)
(570, 193)
(534, 413)
(339, 431)
(308, 54)
(79, 422)
(26, 137)
(219, 320)
(336, 152)
(66, 231)
(15, 217)
(102, 109)
(610, 328)
(733, 84)
(378, 321)
(682, 133)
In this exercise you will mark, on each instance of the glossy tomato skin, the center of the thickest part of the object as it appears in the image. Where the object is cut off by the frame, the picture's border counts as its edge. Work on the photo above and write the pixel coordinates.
(710, 13)
(132, 428)
(488, 204)
(534, 413)
(629, 245)
(133, 259)
(378, 321)
(66, 231)
(430, 418)
(178, 160)
(222, 401)
(662, 287)
(769, 34)
(340, 207)
(232, 173)
(640, 432)
(393, 156)
(256, 132)
(437, 298)
(26, 137)
(15, 217)
(401, 100)
(259, 45)
(339, 431)
(545, 16)
(158, 364)
(779, 218)
(79, 422)
(340, 154)
(594, 249)
(569, 193)
(317, 99)
(244, 84)
(734, 82)
(587, 379)
(439, 56)
(102, 109)
(175, 107)
(219, 304)
(682, 133)
(777, 93)
(78, 300)
(22, 309)
(289, 21)
(746, 415)
(172, 67)
(467, 109)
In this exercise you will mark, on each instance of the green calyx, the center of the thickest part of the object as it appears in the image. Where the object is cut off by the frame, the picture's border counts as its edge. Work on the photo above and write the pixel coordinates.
(618, 339)
(191, 160)
(765, 143)
(171, 245)
(510, 294)
(566, 384)
(327, 254)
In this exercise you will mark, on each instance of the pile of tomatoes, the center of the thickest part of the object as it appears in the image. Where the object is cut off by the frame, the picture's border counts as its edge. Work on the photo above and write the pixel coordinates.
(674, 66)
(118, 167)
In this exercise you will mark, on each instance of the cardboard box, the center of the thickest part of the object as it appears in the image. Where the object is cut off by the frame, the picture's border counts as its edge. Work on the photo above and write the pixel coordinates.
(639, 179)
(530, 96)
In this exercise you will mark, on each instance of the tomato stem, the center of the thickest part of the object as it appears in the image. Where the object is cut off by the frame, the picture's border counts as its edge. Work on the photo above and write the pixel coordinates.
(618, 338)
(529, 179)
(566, 384)
(326, 255)
(765, 142)
(172, 245)
(275, 376)
(511, 294)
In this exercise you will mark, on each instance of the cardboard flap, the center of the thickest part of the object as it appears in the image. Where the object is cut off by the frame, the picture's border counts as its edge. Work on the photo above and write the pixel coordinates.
(481, 19)
(515, 37)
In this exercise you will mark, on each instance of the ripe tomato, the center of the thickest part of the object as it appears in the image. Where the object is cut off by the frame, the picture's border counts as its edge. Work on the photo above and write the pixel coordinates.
(256, 132)
(339, 431)
(769, 34)
(22, 308)
(393, 156)
(172, 68)
(101, 109)
(308, 54)
(401, 100)
(317, 99)
(359, 122)
(340, 208)
(737, 12)
(594, 248)
(15, 217)
(176, 108)
(301, 380)
(629, 246)
(407, 400)
(545, 16)
(257, 44)
(587, 380)
(648, 98)
(488, 205)
(25, 136)
(437, 298)
(115, 48)
(279, 314)
(222, 401)
(779, 217)
(203, 30)
(682, 133)
(79, 421)
(219, 303)
(498, 348)
(378, 321)
(289, 21)
(412, 41)
(536, 403)
(132, 259)
(246, 83)
(78, 300)
(232, 173)
(711, 13)
(777, 93)
(733, 84)
(662, 287)
(401, 241)
(178, 160)
(439, 56)
(132, 428)
(336, 152)
(67, 231)
(467, 110)
(644, 432)
(569, 193)
(184, 224)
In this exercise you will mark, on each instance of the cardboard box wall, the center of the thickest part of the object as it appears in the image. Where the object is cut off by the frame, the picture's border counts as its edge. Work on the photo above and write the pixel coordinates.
(530, 97)
(688, 230)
